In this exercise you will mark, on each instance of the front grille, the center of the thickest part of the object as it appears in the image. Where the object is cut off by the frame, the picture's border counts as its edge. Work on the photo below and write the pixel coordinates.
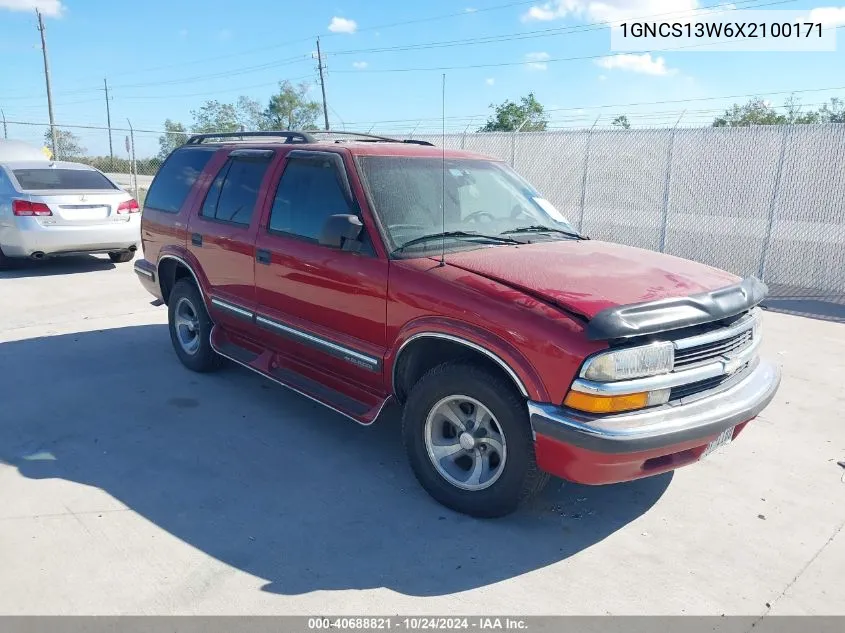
(701, 354)
(684, 391)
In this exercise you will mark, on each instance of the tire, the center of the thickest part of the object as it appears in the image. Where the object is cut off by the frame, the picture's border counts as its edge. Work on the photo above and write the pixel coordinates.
(512, 476)
(121, 257)
(192, 346)
(5, 262)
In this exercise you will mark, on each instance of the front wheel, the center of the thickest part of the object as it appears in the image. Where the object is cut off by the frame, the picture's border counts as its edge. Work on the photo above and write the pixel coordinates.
(190, 328)
(469, 441)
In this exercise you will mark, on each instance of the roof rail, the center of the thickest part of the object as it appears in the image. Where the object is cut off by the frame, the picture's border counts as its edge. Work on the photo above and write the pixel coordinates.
(289, 136)
(299, 137)
(367, 137)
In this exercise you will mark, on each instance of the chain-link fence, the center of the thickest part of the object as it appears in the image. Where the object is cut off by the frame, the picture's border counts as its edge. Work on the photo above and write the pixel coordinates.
(767, 201)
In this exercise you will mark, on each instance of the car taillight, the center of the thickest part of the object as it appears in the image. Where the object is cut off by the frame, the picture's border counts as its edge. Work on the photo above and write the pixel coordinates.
(130, 206)
(25, 207)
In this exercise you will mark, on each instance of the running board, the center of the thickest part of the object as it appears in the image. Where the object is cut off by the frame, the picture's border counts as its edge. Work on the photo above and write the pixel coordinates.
(267, 363)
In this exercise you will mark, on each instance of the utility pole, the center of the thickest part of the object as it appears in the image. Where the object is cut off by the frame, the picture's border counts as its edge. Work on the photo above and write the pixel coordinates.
(53, 135)
(322, 84)
(5, 131)
(108, 120)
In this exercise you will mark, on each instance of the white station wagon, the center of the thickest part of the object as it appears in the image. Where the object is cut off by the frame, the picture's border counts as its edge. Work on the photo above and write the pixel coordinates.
(50, 208)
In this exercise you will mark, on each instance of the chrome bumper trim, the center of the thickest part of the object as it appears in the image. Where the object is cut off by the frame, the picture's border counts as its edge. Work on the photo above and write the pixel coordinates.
(660, 426)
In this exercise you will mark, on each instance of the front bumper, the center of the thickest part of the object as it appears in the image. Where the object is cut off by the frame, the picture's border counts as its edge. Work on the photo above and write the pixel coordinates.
(605, 449)
(27, 236)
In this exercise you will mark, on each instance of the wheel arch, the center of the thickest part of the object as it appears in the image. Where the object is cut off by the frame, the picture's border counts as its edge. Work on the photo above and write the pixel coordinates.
(423, 350)
(170, 269)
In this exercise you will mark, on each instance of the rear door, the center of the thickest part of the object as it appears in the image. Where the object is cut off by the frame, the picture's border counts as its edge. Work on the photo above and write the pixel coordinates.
(221, 235)
(76, 196)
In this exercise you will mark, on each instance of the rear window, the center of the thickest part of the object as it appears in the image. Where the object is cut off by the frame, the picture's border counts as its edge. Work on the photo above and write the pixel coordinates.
(174, 180)
(57, 178)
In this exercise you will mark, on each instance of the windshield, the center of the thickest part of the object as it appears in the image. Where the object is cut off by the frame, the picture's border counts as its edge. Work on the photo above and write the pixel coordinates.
(482, 197)
(57, 178)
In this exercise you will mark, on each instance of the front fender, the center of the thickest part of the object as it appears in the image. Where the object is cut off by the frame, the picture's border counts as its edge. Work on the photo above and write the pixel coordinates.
(502, 352)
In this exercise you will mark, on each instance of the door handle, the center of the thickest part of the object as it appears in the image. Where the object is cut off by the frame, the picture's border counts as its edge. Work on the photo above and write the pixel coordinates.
(196, 239)
(262, 256)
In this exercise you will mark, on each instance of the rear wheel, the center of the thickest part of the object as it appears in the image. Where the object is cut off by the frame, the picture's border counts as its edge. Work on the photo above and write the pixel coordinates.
(119, 257)
(190, 328)
(468, 438)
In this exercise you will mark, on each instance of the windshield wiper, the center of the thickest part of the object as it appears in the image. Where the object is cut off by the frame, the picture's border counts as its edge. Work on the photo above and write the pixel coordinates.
(540, 228)
(469, 234)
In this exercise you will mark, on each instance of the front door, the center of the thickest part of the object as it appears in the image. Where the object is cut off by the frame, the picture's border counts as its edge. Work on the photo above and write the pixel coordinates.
(324, 306)
(222, 234)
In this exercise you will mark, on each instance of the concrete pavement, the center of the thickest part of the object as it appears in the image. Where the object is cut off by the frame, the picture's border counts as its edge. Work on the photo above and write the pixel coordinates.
(131, 485)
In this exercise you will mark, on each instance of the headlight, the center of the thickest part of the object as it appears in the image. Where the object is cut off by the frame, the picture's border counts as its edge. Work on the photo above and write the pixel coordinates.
(633, 362)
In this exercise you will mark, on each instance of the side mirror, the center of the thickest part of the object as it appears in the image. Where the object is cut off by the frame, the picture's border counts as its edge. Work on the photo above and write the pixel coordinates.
(339, 229)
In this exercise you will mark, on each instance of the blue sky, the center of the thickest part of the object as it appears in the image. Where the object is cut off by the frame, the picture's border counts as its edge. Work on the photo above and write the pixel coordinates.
(164, 58)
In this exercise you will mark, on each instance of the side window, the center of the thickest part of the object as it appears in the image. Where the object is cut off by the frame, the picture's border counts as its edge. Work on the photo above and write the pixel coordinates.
(308, 193)
(177, 176)
(234, 192)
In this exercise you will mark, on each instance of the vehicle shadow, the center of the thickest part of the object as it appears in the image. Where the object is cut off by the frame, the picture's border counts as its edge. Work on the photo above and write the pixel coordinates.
(268, 481)
(69, 265)
(806, 302)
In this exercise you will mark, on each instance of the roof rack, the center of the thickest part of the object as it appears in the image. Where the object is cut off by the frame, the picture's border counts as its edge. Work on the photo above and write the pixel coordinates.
(368, 138)
(300, 137)
(290, 137)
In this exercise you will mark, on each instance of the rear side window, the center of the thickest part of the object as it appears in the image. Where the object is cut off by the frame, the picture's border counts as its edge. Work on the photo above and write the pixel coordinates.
(234, 192)
(175, 179)
(309, 192)
(57, 178)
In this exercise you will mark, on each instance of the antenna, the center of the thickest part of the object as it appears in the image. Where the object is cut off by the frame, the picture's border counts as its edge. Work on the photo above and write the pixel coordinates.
(443, 170)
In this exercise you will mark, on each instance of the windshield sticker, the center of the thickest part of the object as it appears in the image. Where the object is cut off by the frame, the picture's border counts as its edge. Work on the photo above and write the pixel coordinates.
(549, 208)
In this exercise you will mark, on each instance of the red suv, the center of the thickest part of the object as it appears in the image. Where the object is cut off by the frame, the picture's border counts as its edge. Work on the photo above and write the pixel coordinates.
(357, 270)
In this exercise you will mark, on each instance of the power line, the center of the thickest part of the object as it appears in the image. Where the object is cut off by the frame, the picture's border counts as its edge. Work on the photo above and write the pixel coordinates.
(582, 28)
(613, 105)
(212, 92)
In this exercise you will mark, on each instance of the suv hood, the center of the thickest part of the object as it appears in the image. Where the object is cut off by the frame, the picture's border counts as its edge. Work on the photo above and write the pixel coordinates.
(586, 277)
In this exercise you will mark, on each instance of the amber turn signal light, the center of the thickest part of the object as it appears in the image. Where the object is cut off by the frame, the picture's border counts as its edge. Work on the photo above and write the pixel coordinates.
(592, 403)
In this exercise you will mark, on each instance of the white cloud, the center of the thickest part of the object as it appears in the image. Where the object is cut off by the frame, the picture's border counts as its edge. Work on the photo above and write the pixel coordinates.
(359, 65)
(537, 61)
(644, 64)
(490, 81)
(602, 77)
(608, 10)
(342, 25)
(829, 16)
(50, 8)
(470, 10)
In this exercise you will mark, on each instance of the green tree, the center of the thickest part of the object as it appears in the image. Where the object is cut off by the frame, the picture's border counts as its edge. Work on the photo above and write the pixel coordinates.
(174, 136)
(290, 109)
(214, 116)
(834, 113)
(68, 145)
(755, 112)
(795, 113)
(509, 116)
(250, 114)
(621, 121)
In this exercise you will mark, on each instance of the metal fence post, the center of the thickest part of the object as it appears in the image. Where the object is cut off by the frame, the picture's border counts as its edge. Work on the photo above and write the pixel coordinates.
(584, 175)
(767, 237)
(133, 165)
(664, 222)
